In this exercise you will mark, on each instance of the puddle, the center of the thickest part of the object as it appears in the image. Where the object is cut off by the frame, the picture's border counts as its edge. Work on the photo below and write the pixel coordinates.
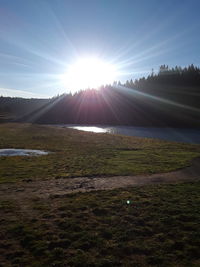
(21, 152)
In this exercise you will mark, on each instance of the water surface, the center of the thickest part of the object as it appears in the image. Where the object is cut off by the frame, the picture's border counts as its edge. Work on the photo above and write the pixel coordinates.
(21, 152)
(172, 134)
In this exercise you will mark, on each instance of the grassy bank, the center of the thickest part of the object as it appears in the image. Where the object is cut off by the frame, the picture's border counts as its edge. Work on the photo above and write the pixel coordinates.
(76, 153)
(160, 227)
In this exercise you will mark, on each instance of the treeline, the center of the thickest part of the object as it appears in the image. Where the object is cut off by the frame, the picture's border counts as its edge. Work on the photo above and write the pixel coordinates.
(178, 76)
(170, 97)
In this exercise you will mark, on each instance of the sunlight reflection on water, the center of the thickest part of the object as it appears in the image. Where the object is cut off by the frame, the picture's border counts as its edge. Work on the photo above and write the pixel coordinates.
(93, 129)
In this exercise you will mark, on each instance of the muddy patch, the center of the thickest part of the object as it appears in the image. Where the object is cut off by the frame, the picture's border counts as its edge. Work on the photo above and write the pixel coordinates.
(60, 187)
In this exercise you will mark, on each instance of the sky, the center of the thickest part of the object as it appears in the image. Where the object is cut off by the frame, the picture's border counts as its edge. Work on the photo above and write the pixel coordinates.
(41, 39)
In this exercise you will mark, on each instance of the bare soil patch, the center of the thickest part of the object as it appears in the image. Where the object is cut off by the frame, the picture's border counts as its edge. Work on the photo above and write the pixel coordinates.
(54, 187)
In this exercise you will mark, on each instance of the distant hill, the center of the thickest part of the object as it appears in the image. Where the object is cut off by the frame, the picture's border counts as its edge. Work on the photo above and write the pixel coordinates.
(14, 108)
(170, 98)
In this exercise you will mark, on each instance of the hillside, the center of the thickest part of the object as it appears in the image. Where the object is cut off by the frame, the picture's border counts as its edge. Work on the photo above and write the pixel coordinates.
(170, 98)
(13, 108)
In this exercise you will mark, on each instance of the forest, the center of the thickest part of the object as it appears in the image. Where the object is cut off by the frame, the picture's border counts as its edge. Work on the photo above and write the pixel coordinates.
(168, 98)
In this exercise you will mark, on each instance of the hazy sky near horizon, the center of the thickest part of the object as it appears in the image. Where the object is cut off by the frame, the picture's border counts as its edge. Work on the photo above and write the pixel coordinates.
(40, 39)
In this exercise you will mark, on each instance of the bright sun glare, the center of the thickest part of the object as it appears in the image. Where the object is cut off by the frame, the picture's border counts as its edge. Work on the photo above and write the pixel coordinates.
(89, 73)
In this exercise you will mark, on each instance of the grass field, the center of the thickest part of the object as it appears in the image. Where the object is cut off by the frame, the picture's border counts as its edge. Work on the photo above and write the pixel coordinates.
(158, 226)
(76, 153)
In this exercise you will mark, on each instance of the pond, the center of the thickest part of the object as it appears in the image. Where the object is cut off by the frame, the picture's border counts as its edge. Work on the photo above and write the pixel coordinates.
(186, 135)
(21, 152)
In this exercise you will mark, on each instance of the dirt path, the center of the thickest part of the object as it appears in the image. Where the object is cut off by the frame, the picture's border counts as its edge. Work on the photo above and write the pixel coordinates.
(44, 189)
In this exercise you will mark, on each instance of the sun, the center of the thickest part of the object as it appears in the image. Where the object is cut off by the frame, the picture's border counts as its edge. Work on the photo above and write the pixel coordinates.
(89, 73)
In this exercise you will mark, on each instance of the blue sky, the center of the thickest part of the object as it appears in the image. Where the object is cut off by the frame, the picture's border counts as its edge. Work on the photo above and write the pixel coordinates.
(40, 39)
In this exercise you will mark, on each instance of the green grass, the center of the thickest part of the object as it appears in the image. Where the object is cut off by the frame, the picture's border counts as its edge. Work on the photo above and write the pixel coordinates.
(76, 153)
(160, 227)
